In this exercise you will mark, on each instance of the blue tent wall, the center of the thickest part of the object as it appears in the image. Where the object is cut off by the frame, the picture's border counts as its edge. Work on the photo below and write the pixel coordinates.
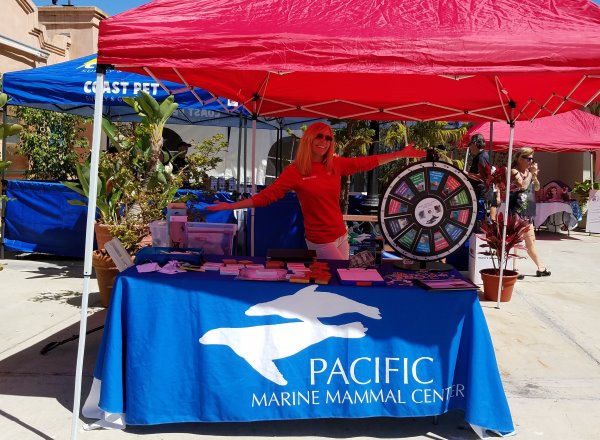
(39, 217)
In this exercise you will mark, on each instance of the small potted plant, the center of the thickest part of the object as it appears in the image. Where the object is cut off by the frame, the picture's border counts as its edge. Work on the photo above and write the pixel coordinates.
(516, 229)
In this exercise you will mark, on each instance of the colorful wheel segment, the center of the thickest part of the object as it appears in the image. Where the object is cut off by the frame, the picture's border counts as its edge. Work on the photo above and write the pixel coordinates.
(428, 211)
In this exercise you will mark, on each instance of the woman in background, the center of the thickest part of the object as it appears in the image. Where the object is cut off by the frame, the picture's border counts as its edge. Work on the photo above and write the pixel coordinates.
(315, 177)
(524, 183)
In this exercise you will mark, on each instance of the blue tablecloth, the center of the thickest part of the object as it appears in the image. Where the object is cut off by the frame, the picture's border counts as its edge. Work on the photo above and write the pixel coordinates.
(204, 347)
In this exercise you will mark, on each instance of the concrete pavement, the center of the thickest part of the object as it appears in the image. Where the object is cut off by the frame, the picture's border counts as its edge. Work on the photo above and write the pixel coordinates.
(546, 339)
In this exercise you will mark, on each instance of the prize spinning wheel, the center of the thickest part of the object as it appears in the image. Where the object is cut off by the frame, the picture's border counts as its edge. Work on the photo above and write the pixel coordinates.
(428, 211)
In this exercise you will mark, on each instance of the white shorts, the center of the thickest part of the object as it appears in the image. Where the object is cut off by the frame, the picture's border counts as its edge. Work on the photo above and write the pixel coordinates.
(336, 250)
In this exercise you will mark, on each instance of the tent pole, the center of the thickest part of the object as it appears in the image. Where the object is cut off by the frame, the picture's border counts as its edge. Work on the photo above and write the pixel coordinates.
(245, 155)
(3, 183)
(592, 168)
(89, 242)
(239, 155)
(491, 140)
(466, 159)
(279, 149)
(503, 254)
(254, 116)
(406, 139)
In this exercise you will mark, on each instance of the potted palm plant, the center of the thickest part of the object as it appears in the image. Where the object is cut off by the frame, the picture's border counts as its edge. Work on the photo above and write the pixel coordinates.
(516, 229)
(134, 184)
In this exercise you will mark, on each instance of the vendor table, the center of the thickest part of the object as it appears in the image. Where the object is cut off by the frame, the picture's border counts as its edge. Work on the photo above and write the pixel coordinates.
(555, 214)
(203, 347)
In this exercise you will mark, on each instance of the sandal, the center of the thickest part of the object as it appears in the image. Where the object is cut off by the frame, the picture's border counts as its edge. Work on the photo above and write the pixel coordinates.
(542, 273)
(520, 276)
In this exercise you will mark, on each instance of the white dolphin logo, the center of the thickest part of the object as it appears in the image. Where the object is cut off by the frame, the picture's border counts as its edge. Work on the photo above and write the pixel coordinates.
(261, 345)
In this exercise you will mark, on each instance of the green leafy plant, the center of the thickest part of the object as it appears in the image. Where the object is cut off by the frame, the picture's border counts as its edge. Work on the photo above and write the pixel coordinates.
(516, 230)
(351, 140)
(582, 189)
(49, 141)
(136, 181)
(149, 136)
(423, 135)
(5, 131)
(205, 158)
(108, 197)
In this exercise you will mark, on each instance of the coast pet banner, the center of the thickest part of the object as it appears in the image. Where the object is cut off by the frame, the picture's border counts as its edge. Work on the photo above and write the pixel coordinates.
(294, 353)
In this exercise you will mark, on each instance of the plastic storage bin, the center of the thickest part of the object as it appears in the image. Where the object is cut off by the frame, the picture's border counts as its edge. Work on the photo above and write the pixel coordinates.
(160, 234)
(212, 238)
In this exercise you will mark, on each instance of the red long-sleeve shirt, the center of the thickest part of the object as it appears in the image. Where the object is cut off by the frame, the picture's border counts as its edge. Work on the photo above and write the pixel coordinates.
(318, 193)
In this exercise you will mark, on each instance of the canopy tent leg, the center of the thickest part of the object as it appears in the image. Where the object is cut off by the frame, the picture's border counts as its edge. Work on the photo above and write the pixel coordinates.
(89, 243)
(503, 255)
(592, 168)
(245, 155)
(491, 139)
(239, 157)
(2, 201)
(253, 183)
(488, 205)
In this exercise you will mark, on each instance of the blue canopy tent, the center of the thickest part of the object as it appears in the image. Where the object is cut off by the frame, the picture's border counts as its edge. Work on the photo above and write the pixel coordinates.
(70, 87)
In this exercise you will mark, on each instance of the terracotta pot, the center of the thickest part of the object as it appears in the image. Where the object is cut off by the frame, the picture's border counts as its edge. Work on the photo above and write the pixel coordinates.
(106, 272)
(102, 235)
(491, 277)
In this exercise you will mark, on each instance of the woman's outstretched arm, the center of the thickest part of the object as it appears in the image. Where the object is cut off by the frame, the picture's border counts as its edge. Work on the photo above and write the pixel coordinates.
(223, 206)
(386, 158)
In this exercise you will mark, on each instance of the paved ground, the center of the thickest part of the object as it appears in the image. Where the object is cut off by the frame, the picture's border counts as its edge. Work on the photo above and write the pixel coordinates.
(546, 339)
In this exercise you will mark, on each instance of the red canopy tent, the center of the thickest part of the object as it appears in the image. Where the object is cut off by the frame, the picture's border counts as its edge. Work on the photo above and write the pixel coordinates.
(409, 60)
(574, 131)
(498, 60)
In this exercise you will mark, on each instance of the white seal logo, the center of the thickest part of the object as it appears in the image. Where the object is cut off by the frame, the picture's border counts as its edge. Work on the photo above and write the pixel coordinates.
(261, 345)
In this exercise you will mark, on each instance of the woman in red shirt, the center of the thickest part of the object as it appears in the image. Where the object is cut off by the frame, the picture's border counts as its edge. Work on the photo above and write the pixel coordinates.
(315, 177)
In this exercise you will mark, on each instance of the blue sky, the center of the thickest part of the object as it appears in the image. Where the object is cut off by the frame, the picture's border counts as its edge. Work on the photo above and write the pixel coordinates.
(112, 7)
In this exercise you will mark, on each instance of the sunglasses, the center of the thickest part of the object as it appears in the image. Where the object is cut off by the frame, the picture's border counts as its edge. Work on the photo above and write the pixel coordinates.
(530, 159)
(324, 136)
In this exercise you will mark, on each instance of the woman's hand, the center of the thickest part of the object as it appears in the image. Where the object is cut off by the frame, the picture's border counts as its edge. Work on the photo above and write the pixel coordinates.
(223, 206)
(533, 168)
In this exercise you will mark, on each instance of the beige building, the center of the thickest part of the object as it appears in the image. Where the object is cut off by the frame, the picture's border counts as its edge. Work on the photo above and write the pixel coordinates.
(34, 37)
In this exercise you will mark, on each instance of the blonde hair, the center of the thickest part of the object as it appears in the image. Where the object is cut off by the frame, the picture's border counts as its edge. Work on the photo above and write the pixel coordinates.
(525, 151)
(303, 159)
